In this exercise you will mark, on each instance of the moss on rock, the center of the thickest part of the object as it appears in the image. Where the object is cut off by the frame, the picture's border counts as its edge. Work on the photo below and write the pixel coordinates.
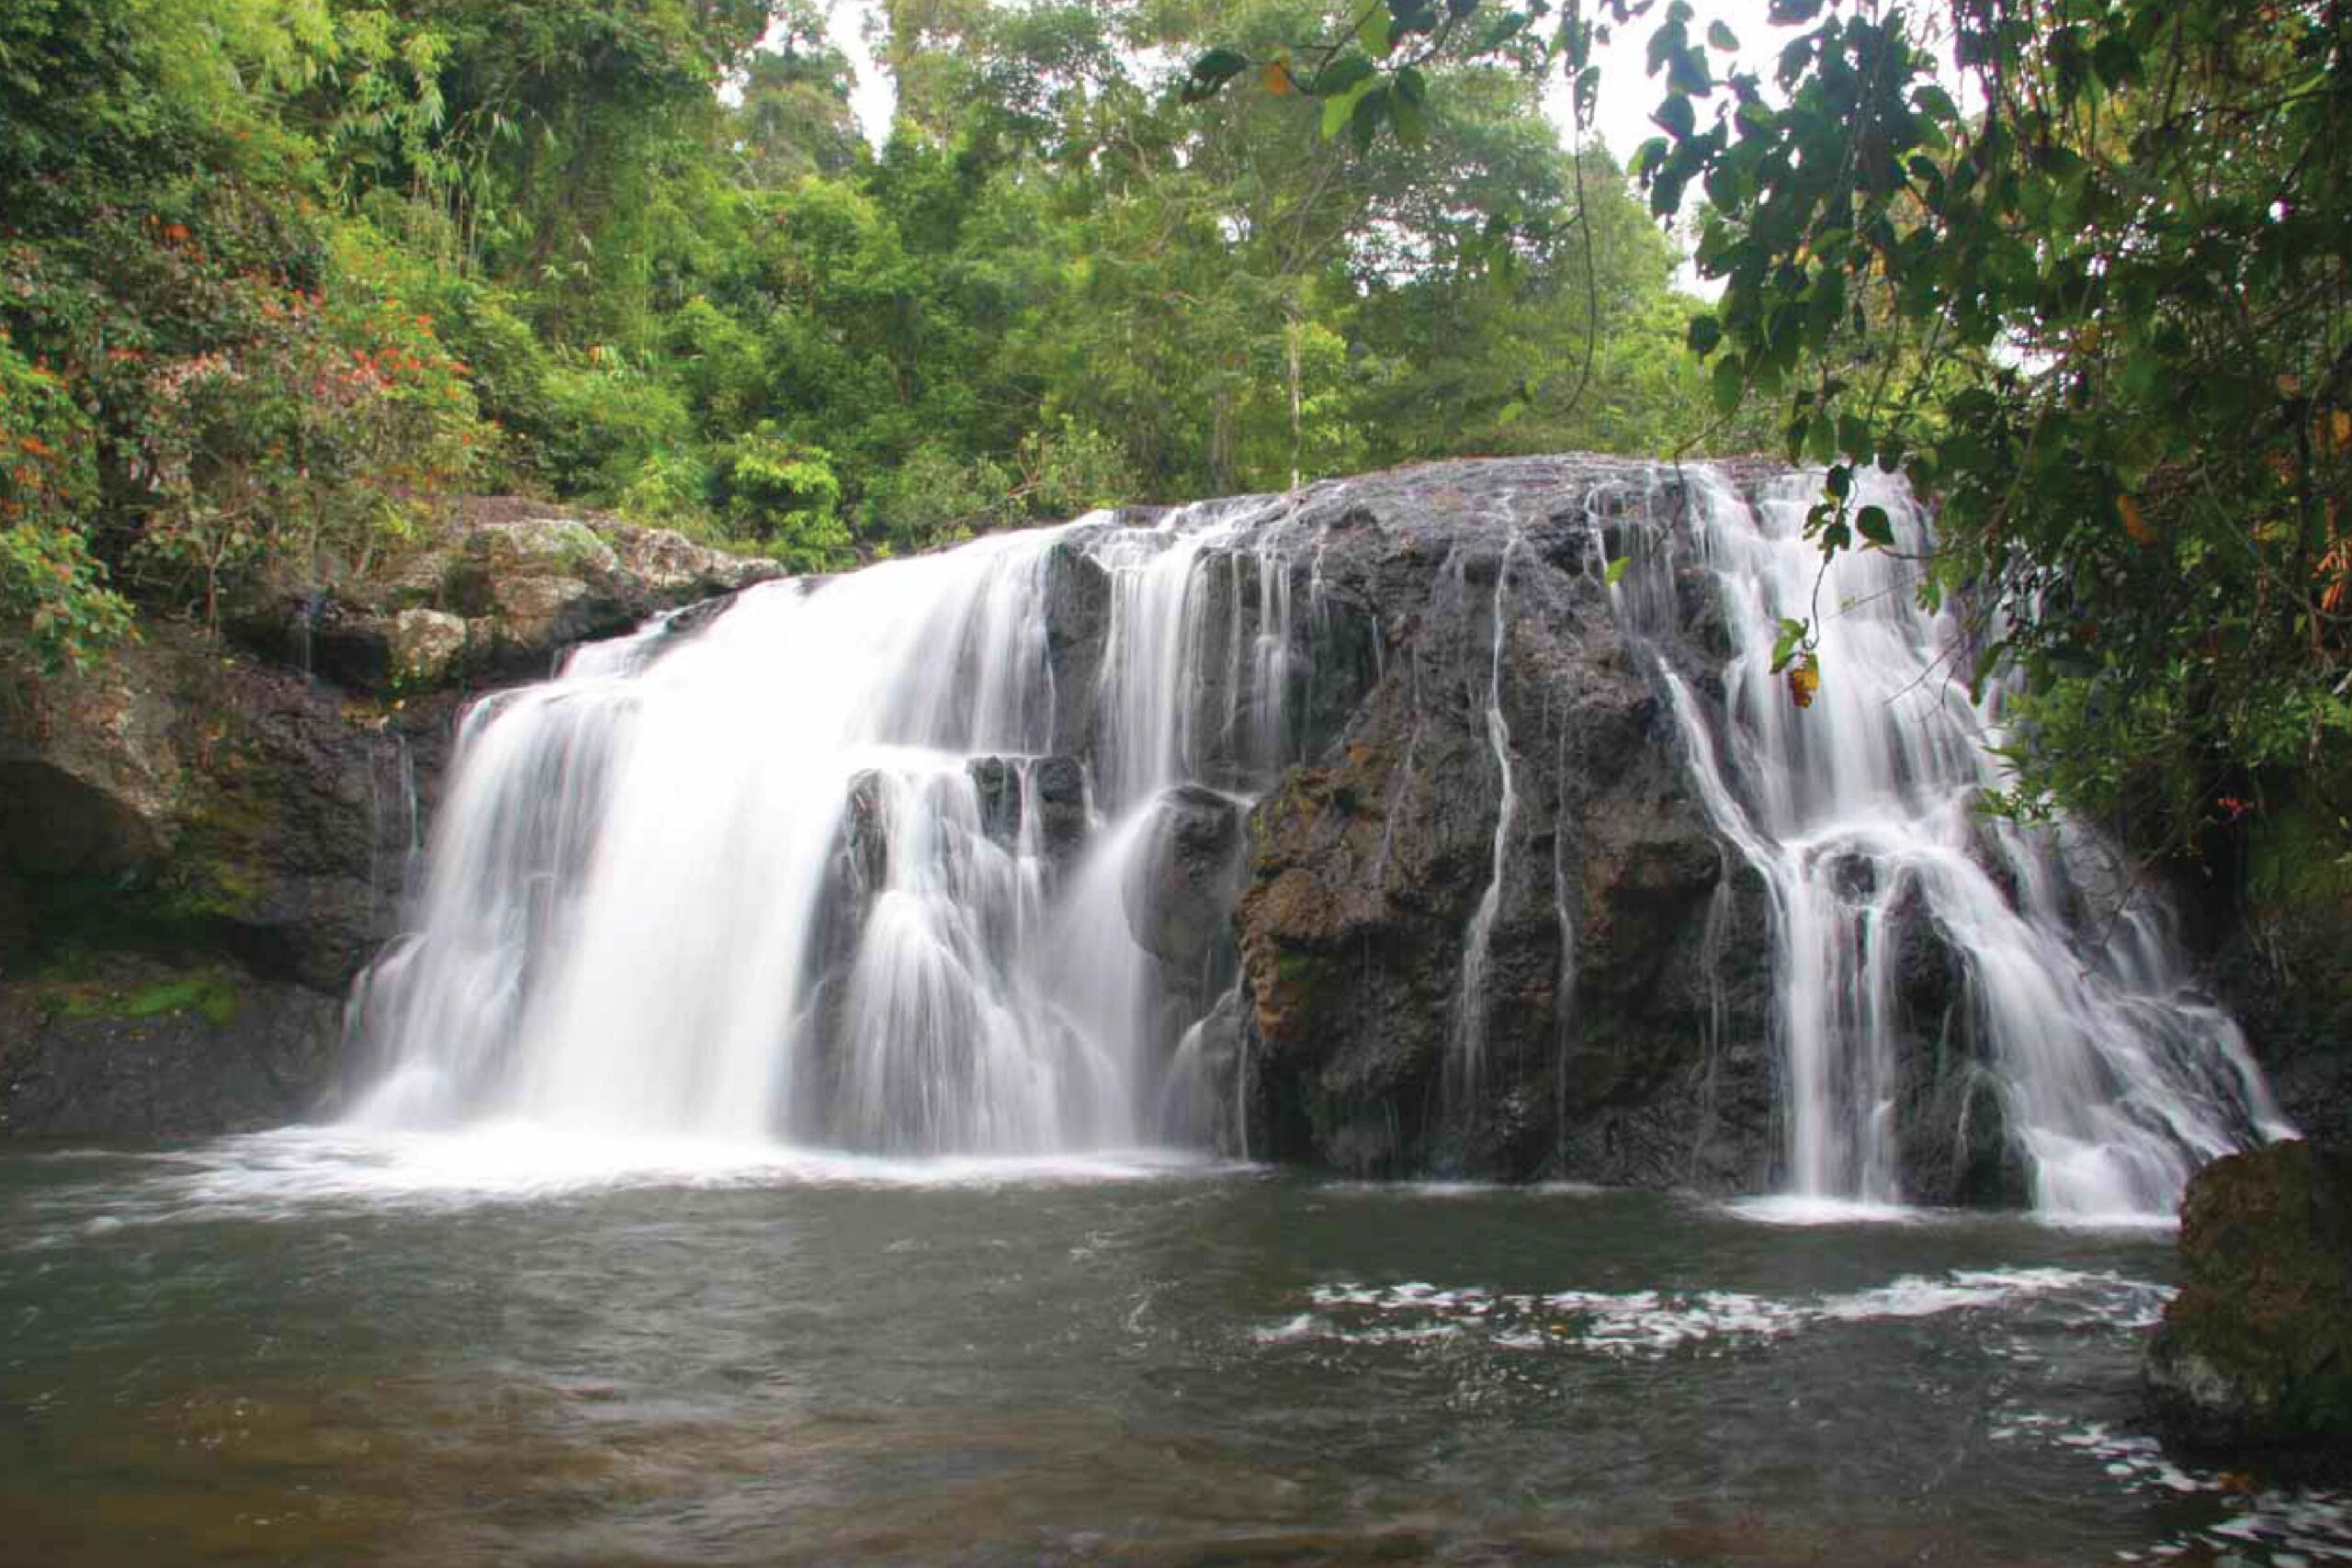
(2254, 1354)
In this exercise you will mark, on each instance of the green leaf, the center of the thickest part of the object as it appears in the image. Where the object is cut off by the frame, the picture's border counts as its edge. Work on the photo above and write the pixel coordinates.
(1873, 523)
(1340, 75)
(1365, 123)
(1412, 123)
(1339, 108)
(1934, 102)
(1730, 384)
(1615, 573)
(1838, 484)
(1703, 334)
(1821, 440)
(1211, 72)
(1723, 37)
(1789, 643)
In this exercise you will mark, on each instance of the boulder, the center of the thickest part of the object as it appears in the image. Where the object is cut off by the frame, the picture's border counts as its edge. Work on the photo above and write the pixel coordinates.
(1178, 895)
(91, 778)
(2254, 1355)
(427, 646)
(1058, 784)
(1609, 1022)
(499, 588)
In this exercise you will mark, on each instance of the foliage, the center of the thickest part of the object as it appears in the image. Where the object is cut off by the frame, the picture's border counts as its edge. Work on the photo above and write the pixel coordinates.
(2100, 314)
(54, 601)
(280, 273)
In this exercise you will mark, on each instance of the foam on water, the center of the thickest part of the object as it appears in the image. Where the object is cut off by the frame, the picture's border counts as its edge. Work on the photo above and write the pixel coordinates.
(1648, 1324)
(1808, 1209)
(298, 1171)
(2267, 1527)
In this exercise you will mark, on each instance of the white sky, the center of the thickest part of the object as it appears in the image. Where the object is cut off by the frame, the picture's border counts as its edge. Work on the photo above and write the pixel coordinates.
(1627, 95)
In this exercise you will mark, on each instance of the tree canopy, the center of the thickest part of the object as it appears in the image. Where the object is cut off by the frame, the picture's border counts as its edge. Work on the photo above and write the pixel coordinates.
(2079, 269)
(277, 279)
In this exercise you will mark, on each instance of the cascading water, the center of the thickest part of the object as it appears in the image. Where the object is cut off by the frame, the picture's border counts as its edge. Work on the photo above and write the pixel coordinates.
(1862, 813)
(820, 870)
(1470, 1024)
(874, 861)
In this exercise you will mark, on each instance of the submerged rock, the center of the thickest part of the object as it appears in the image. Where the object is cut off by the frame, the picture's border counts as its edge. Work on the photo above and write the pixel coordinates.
(2254, 1354)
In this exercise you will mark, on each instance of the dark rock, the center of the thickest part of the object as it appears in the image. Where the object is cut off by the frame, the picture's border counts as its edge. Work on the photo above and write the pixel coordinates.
(143, 1050)
(1078, 625)
(866, 836)
(1619, 1033)
(2254, 1354)
(1178, 896)
(1058, 784)
(998, 784)
(2286, 974)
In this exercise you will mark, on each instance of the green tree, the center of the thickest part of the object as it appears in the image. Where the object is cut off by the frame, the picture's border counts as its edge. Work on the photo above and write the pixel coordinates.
(2101, 320)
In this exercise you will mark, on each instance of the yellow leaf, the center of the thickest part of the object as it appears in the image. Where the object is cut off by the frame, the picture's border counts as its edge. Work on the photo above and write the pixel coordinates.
(1804, 680)
(2134, 524)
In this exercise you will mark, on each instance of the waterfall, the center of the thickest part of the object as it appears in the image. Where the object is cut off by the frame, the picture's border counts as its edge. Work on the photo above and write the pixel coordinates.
(823, 868)
(878, 862)
(1470, 1002)
(1861, 814)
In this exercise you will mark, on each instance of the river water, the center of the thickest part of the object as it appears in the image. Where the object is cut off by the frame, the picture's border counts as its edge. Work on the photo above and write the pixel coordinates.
(498, 1347)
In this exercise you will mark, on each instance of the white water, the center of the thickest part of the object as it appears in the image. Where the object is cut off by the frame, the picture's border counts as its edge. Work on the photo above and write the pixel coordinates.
(823, 871)
(1477, 950)
(752, 884)
(1861, 814)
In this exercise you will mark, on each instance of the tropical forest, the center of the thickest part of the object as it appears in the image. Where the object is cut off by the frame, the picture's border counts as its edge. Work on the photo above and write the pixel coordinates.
(1176, 781)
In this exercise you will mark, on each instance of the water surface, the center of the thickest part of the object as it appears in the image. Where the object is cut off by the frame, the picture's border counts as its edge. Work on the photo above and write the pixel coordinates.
(307, 1347)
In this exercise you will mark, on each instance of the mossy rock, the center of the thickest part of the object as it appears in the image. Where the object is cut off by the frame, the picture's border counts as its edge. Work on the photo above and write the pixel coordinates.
(208, 993)
(2254, 1354)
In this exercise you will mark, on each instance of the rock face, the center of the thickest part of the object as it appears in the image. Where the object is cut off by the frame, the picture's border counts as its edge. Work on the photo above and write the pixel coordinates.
(200, 851)
(1617, 1028)
(2286, 975)
(2254, 1355)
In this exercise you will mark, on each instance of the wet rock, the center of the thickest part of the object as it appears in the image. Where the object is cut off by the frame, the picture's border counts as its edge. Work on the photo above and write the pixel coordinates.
(1178, 896)
(1617, 1028)
(2254, 1354)
(2285, 972)
(181, 807)
(866, 835)
(998, 784)
(1077, 624)
(1059, 786)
